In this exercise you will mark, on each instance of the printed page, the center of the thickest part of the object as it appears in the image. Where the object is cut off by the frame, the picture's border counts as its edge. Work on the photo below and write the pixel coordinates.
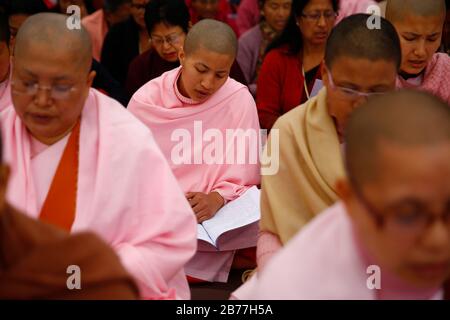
(243, 211)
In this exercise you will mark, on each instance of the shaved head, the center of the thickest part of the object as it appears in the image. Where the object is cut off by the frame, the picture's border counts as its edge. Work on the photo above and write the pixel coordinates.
(57, 61)
(396, 10)
(212, 35)
(351, 38)
(49, 32)
(407, 118)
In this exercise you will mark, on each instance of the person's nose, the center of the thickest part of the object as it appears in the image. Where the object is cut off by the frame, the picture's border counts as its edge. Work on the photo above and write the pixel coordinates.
(166, 44)
(43, 97)
(322, 21)
(420, 50)
(279, 13)
(359, 100)
(207, 82)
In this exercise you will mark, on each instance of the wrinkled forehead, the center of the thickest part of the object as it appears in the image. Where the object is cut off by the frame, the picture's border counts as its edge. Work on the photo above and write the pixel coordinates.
(43, 60)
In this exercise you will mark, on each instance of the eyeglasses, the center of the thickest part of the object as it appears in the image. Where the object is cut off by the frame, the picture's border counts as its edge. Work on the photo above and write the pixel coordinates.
(57, 92)
(172, 39)
(409, 224)
(351, 94)
(315, 16)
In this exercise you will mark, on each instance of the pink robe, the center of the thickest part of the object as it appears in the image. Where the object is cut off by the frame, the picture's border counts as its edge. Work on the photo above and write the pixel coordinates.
(161, 107)
(126, 192)
(248, 15)
(349, 7)
(5, 92)
(436, 78)
(326, 261)
(97, 28)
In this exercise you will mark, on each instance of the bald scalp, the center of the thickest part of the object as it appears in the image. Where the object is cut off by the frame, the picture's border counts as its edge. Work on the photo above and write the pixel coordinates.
(351, 38)
(396, 10)
(212, 35)
(408, 118)
(50, 31)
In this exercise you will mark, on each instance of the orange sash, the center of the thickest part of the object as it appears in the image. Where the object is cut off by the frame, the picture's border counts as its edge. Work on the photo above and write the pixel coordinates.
(60, 205)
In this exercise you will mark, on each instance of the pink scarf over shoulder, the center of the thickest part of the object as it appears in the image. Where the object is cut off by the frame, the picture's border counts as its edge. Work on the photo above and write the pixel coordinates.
(126, 194)
(436, 78)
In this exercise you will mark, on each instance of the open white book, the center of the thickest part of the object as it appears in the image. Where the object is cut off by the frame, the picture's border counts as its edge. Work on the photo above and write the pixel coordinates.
(235, 225)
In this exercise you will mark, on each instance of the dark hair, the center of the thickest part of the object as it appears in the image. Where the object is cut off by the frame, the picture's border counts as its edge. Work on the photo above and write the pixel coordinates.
(352, 38)
(4, 28)
(113, 5)
(171, 12)
(291, 34)
(28, 7)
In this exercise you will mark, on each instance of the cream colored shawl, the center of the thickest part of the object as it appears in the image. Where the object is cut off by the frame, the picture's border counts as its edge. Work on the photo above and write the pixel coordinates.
(310, 162)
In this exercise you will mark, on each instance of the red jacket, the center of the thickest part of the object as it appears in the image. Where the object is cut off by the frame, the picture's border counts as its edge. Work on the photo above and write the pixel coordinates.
(280, 86)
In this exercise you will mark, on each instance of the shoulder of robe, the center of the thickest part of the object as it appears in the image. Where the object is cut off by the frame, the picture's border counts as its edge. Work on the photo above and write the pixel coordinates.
(291, 120)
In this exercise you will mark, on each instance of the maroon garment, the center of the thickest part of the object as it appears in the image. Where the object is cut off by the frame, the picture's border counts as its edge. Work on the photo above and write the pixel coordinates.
(280, 86)
(149, 65)
(145, 67)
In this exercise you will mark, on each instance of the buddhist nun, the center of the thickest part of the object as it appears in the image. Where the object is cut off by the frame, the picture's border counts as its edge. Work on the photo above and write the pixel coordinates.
(420, 26)
(359, 63)
(37, 260)
(80, 161)
(389, 237)
(205, 123)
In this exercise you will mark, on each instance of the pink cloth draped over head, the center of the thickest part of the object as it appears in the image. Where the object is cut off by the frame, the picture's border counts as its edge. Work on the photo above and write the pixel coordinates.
(436, 78)
(126, 194)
